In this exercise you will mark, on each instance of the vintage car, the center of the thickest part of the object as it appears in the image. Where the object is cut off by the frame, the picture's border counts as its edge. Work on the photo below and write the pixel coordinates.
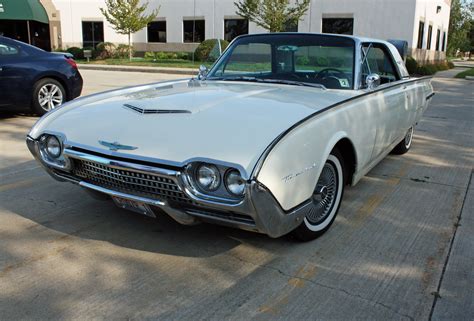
(265, 141)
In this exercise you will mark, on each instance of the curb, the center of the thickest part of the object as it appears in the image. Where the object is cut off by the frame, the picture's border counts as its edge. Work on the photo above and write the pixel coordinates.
(138, 69)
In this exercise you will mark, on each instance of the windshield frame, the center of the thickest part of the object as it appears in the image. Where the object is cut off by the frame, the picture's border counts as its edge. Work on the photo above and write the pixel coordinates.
(245, 38)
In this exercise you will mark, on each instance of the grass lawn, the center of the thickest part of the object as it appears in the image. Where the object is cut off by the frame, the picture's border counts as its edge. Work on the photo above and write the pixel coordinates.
(172, 63)
(469, 72)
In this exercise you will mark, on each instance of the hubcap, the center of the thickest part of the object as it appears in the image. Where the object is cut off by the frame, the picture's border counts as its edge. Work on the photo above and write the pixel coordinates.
(408, 137)
(50, 96)
(324, 195)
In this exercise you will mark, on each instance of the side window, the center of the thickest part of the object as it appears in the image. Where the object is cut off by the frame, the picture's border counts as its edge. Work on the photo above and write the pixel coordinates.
(378, 61)
(8, 51)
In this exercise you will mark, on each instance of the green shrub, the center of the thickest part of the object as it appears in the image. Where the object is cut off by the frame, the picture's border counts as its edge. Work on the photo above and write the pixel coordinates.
(442, 66)
(426, 70)
(204, 49)
(150, 55)
(122, 51)
(105, 50)
(183, 55)
(412, 65)
(450, 65)
(76, 52)
(322, 61)
(303, 60)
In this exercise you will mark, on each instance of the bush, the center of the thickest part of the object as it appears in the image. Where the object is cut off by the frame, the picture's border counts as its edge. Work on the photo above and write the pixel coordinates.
(322, 61)
(427, 70)
(303, 60)
(204, 49)
(450, 65)
(161, 55)
(122, 51)
(76, 52)
(412, 65)
(105, 50)
(442, 66)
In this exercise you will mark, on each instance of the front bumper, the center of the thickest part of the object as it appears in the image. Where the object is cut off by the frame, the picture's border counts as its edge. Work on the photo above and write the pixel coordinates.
(258, 211)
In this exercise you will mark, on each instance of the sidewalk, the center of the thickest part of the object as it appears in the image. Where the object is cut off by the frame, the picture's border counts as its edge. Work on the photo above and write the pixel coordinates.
(163, 70)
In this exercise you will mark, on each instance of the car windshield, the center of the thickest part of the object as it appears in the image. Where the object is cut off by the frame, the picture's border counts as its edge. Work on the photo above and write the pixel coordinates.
(294, 59)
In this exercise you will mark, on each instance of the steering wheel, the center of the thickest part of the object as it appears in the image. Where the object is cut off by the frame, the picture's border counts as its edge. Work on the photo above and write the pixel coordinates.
(328, 72)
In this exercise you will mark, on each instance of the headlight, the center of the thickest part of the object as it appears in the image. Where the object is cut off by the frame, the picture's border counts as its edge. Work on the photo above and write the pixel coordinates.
(208, 177)
(235, 183)
(53, 147)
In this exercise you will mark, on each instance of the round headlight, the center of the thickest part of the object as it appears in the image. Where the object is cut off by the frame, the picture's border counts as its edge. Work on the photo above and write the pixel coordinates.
(53, 147)
(208, 177)
(235, 183)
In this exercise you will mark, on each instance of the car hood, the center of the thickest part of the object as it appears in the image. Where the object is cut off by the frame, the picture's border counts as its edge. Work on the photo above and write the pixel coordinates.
(176, 122)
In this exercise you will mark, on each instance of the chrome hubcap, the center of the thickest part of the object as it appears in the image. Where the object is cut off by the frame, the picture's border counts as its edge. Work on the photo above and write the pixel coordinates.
(324, 195)
(50, 97)
(408, 137)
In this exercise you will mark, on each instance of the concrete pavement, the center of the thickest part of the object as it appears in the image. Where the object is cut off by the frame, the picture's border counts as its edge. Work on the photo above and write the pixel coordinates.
(403, 236)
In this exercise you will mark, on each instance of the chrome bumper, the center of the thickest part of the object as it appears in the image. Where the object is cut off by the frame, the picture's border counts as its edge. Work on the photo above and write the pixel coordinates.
(264, 213)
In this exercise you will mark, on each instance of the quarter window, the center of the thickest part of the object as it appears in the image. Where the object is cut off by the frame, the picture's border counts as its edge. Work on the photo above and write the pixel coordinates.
(92, 33)
(234, 28)
(156, 31)
(344, 26)
(378, 61)
(421, 31)
(193, 31)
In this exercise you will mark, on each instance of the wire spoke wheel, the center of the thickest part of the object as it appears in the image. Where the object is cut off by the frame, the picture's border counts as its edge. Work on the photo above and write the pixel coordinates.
(324, 195)
(50, 96)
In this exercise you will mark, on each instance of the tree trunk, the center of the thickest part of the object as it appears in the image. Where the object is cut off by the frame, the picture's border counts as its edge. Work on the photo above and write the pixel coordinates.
(129, 48)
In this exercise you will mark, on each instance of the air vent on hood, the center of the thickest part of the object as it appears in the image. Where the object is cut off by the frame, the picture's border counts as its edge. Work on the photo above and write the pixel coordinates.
(156, 111)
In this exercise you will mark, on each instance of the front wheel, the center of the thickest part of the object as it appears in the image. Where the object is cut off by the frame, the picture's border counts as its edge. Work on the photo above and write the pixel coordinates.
(47, 95)
(405, 144)
(325, 201)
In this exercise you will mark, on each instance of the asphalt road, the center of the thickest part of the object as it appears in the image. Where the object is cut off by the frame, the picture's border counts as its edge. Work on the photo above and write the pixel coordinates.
(404, 236)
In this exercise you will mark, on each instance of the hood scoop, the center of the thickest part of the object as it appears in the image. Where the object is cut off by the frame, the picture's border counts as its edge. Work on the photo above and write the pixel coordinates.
(155, 111)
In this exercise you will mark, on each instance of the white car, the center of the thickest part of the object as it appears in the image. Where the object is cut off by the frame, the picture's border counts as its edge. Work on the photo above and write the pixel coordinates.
(265, 141)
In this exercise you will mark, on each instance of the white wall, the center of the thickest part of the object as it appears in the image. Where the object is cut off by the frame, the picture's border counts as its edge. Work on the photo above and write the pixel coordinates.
(383, 19)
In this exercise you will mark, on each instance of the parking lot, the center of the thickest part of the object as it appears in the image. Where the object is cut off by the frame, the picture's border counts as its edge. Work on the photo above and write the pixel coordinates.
(401, 246)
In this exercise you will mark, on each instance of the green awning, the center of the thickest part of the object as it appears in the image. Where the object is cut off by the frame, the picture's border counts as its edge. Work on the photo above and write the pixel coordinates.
(23, 10)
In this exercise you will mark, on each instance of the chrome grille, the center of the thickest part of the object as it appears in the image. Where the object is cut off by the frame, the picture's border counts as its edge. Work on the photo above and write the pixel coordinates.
(128, 181)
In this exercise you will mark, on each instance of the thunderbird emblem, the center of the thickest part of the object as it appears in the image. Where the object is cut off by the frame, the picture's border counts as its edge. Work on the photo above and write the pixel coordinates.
(115, 146)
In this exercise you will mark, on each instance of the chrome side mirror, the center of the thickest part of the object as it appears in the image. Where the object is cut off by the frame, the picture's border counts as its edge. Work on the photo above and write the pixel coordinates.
(372, 81)
(202, 72)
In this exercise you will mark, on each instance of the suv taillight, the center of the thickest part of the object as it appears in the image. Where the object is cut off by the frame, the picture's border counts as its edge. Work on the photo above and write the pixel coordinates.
(71, 62)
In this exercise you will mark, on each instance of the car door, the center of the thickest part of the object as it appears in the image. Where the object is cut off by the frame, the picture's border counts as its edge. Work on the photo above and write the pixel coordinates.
(389, 106)
(13, 70)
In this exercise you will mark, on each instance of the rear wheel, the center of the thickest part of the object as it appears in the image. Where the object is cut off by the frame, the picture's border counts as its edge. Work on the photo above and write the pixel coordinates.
(325, 201)
(47, 95)
(405, 144)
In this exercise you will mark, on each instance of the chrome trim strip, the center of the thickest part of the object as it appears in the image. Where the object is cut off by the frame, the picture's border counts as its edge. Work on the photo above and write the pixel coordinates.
(120, 164)
(122, 195)
(221, 219)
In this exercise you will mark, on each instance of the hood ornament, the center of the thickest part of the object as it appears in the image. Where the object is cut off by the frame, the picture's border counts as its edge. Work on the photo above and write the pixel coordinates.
(115, 146)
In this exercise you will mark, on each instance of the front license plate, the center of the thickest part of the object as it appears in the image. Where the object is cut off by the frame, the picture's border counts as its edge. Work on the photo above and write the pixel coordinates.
(134, 206)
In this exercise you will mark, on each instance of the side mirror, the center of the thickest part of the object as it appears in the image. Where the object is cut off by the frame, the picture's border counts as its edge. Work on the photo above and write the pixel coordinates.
(372, 81)
(202, 72)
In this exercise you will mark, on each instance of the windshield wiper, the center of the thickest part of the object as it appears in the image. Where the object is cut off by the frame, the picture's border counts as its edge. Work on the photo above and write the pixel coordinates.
(269, 81)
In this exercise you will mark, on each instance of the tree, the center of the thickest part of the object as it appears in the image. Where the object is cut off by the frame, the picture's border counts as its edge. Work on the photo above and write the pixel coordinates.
(127, 17)
(272, 15)
(460, 21)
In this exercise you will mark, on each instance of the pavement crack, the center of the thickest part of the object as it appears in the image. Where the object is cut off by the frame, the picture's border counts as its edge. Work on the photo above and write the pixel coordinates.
(437, 293)
(290, 276)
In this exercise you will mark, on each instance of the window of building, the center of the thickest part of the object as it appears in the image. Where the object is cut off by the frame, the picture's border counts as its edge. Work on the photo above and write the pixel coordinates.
(430, 33)
(92, 33)
(421, 31)
(235, 27)
(291, 26)
(156, 31)
(344, 26)
(193, 30)
(438, 35)
(443, 44)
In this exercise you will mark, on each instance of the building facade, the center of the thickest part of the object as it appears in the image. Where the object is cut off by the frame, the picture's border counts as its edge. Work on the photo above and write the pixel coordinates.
(182, 24)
